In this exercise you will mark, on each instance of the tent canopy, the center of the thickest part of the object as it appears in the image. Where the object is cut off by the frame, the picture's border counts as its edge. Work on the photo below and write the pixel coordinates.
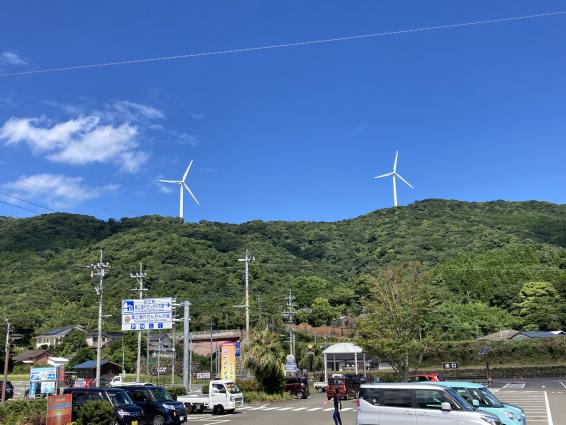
(343, 348)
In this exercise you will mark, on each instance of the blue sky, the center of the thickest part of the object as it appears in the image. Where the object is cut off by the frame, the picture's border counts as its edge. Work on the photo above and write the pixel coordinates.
(477, 113)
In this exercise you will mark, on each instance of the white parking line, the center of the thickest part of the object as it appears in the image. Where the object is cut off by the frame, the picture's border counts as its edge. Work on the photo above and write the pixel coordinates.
(314, 409)
(298, 409)
(563, 384)
(548, 409)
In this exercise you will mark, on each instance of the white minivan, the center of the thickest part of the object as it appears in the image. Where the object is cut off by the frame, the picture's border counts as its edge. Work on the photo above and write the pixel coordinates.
(416, 404)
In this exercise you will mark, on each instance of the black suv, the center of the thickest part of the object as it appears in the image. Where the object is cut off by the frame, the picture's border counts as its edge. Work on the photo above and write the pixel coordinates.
(158, 406)
(9, 389)
(125, 411)
(298, 386)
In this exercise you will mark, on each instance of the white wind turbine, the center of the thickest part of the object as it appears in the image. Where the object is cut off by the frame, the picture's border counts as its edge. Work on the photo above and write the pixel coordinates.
(395, 175)
(182, 185)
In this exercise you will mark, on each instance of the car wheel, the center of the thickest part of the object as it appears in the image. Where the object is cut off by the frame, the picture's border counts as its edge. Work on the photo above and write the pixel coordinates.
(158, 420)
(190, 408)
(218, 410)
(299, 394)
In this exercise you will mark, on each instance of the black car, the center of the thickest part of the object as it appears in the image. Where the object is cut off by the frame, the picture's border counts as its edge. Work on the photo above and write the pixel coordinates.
(357, 381)
(125, 411)
(9, 389)
(158, 406)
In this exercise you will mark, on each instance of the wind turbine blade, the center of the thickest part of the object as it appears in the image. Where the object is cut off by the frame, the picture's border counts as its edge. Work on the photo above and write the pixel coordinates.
(191, 193)
(383, 175)
(395, 163)
(405, 181)
(187, 171)
(169, 181)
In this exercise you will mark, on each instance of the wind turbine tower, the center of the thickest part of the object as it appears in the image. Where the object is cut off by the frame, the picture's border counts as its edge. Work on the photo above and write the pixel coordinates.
(394, 174)
(182, 186)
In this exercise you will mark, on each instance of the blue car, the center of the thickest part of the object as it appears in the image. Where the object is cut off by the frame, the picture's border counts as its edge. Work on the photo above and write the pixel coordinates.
(482, 399)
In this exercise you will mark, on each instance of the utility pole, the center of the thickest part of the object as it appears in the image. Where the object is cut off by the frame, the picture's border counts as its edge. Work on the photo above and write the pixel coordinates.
(187, 366)
(99, 269)
(174, 354)
(139, 278)
(246, 261)
(211, 348)
(288, 314)
(6, 360)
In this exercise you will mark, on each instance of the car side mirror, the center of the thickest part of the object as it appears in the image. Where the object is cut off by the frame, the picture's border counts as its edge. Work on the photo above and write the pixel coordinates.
(475, 402)
(445, 406)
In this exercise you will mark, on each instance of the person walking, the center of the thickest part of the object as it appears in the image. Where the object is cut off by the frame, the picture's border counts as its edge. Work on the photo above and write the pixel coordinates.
(337, 406)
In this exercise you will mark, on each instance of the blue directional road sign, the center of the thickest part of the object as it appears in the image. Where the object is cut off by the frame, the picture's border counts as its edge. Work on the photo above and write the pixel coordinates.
(147, 314)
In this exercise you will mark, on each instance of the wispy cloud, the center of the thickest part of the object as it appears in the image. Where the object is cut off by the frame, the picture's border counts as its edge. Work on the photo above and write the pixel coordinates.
(56, 191)
(11, 59)
(108, 136)
(79, 141)
(196, 116)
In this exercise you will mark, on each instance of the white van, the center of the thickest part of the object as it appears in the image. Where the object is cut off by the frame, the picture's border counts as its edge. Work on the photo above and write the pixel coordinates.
(416, 404)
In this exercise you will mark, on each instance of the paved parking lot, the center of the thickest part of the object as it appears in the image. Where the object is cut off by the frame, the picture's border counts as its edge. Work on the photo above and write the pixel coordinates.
(543, 399)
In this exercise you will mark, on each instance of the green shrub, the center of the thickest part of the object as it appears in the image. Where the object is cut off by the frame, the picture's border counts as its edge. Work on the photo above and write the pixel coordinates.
(248, 385)
(95, 412)
(20, 412)
(176, 391)
(256, 396)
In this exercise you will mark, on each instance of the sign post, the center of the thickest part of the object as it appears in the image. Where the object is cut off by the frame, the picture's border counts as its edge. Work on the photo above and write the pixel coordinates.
(147, 314)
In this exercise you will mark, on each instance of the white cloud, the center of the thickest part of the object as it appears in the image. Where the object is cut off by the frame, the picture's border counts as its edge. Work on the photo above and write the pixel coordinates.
(124, 110)
(196, 116)
(78, 141)
(12, 59)
(56, 191)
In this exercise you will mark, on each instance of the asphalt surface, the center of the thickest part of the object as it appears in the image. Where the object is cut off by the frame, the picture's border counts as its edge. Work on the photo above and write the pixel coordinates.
(543, 399)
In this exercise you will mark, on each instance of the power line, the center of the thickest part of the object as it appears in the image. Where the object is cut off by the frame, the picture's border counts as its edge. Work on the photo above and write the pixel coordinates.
(280, 46)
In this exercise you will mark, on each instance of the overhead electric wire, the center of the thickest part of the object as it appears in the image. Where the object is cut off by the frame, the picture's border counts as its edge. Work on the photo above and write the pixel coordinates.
(283, 45)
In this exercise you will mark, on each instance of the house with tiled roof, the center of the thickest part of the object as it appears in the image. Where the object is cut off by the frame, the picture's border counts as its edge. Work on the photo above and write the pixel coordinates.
(52, 337)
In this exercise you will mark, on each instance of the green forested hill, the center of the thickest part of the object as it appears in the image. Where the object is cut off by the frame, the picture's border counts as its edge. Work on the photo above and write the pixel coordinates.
(478, 252)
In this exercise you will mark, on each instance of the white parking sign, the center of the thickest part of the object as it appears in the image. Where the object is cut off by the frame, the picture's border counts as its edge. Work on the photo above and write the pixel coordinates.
(147, 314)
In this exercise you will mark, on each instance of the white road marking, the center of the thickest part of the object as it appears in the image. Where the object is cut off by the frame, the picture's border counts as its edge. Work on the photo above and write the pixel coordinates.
(314, 409)
(283, 408)
(548, 409)
(329, 409)
(345, 409)
(298, 409)
(563, 384)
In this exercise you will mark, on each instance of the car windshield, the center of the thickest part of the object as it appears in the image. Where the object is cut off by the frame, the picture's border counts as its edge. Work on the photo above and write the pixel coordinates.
(160, 394)
(118, 398)
(488, 397)
(460, 400)
(232, 388)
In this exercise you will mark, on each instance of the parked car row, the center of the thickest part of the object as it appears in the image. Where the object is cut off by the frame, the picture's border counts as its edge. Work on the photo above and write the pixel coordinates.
(438, 402)
(133, 405)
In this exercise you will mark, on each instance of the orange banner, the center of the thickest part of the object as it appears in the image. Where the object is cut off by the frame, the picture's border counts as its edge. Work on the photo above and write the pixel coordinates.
(228, 361)
(59, 409)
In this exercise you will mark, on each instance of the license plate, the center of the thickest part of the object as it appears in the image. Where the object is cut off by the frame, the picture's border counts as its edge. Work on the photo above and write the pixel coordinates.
(181, 418)
(134, 422)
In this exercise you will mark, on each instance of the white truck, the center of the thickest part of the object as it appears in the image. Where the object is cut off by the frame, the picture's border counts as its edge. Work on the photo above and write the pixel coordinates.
(118, 381)
(223, 396)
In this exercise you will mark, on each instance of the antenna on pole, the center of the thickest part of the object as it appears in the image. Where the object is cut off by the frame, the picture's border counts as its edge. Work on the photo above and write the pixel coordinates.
(140, 289)
(99, 269)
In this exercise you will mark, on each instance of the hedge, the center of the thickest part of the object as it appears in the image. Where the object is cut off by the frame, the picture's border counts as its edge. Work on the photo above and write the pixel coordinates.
(23, 412)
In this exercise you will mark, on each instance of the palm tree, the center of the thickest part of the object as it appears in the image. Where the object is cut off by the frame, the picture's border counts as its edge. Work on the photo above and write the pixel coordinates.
(264, 357)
